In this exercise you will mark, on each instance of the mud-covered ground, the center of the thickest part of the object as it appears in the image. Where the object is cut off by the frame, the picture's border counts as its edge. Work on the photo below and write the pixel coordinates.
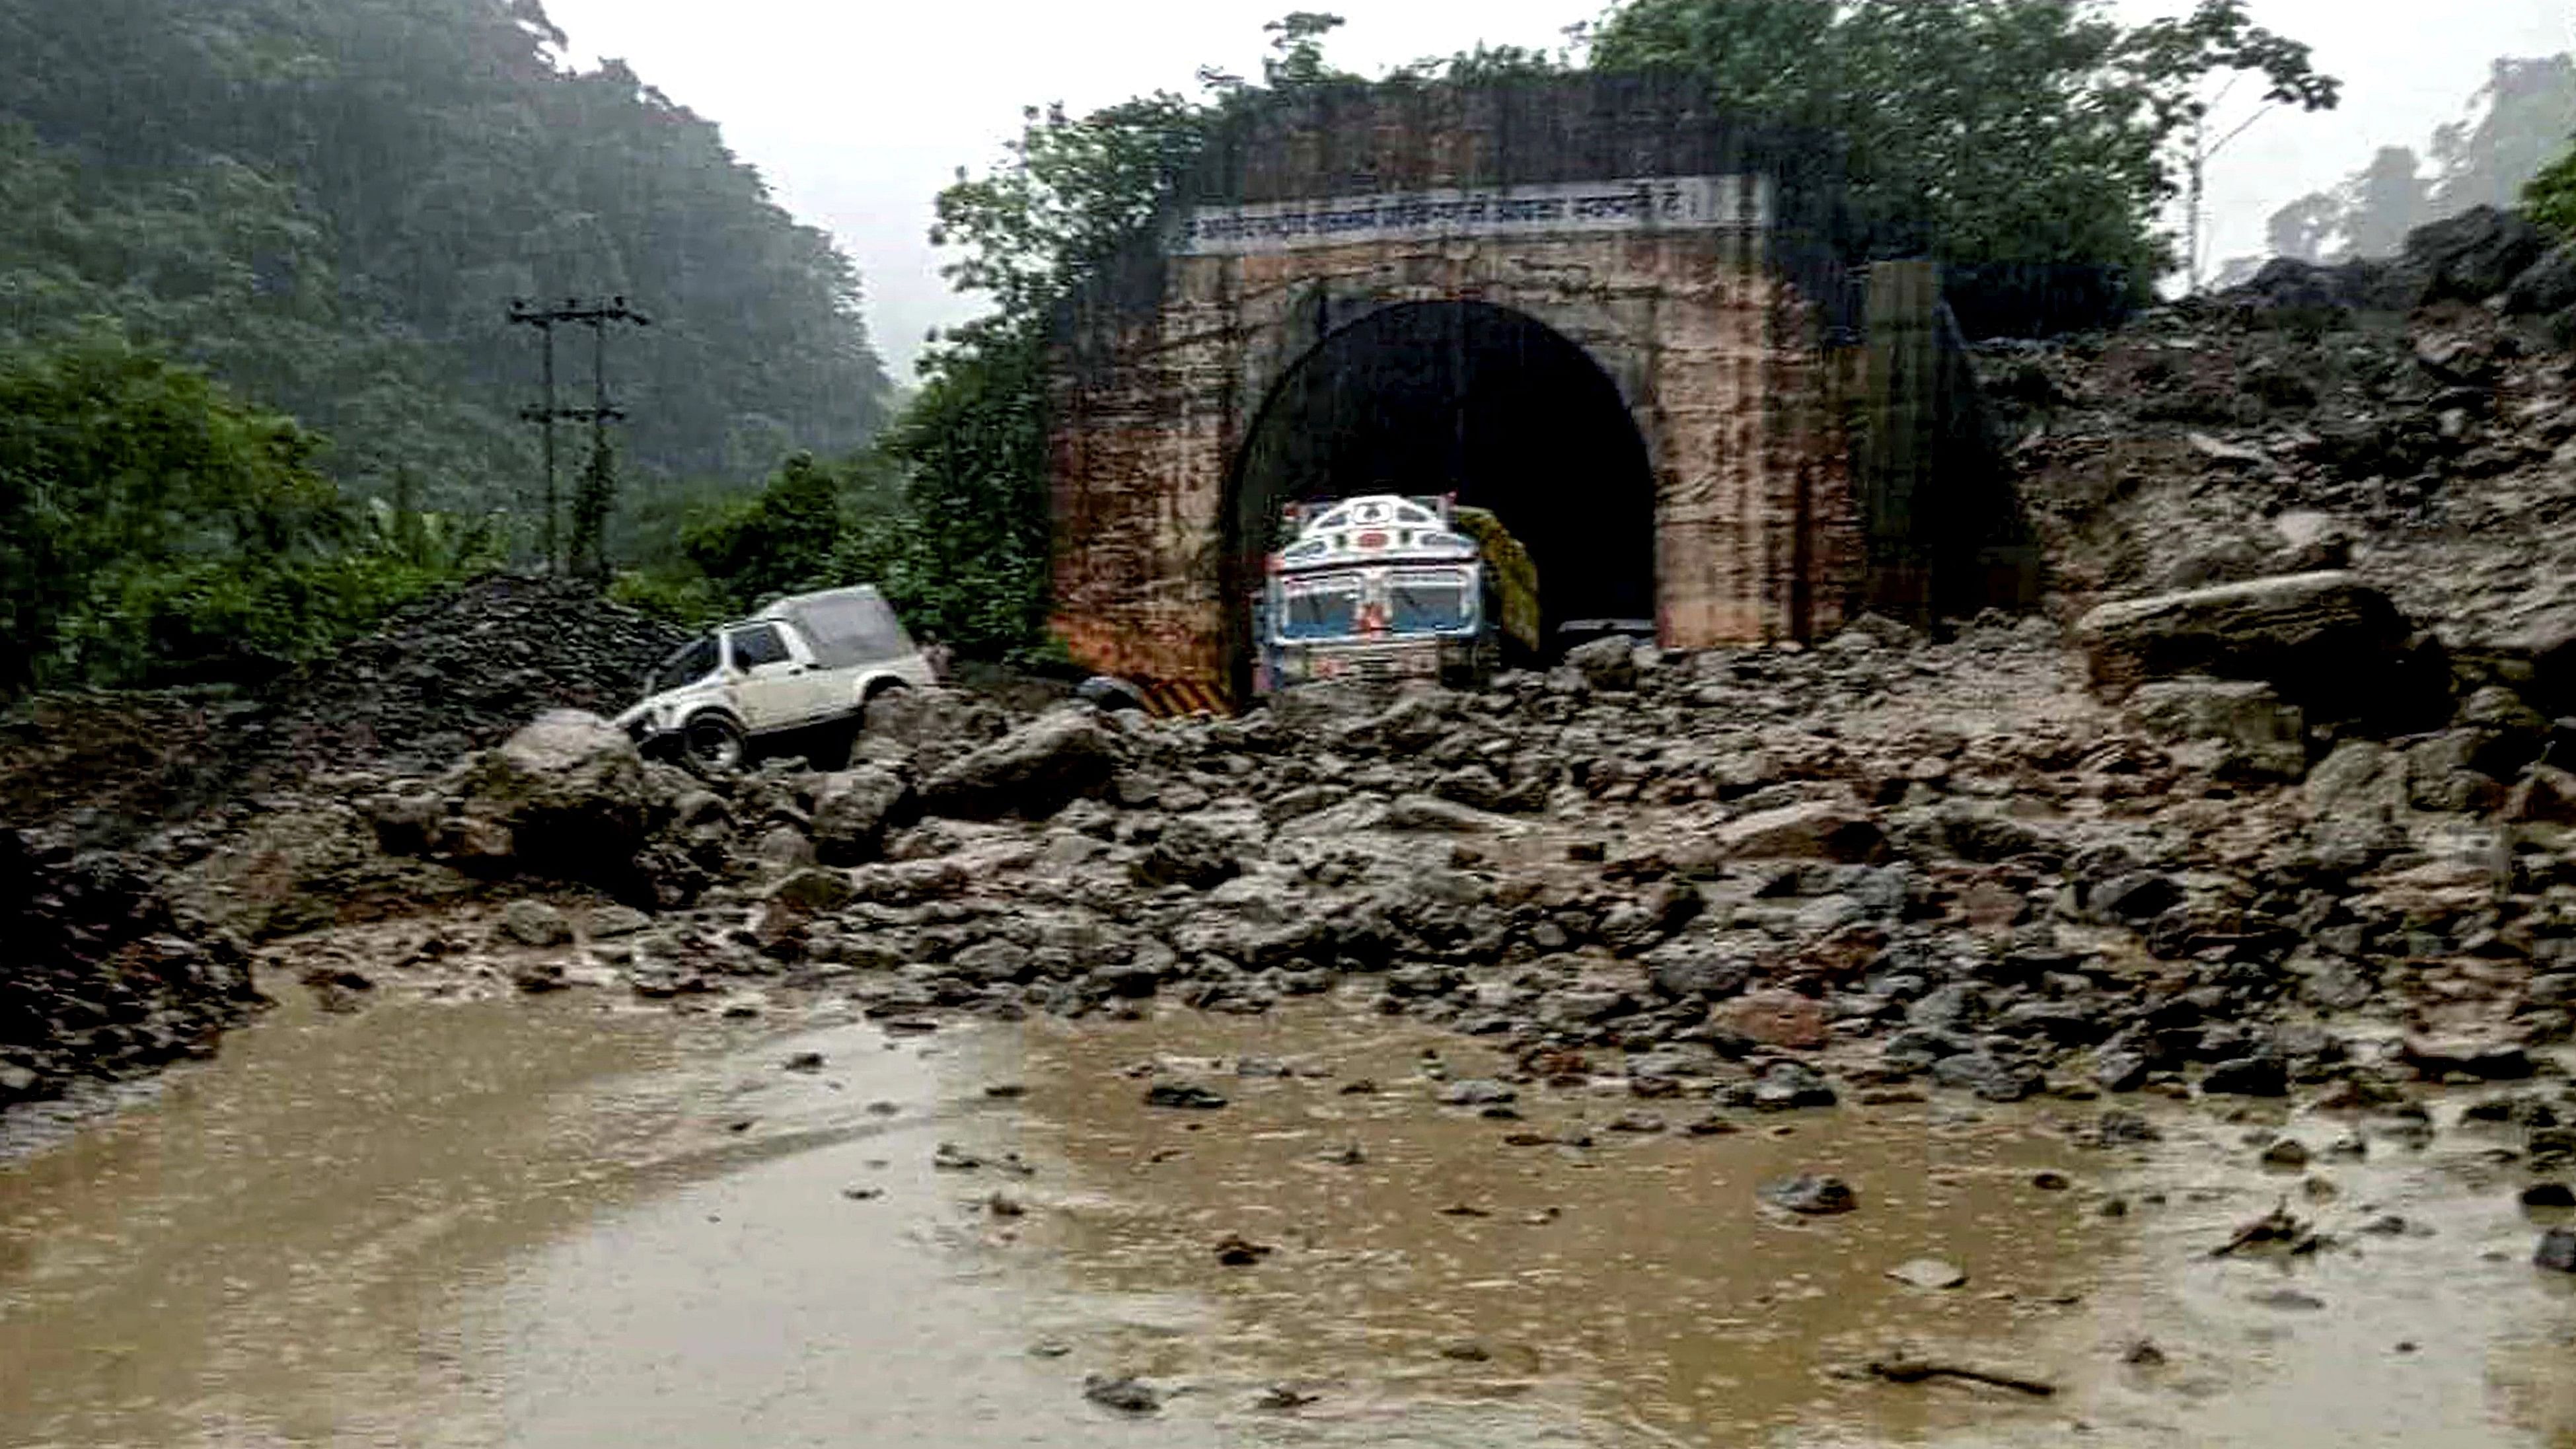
(430, 1213)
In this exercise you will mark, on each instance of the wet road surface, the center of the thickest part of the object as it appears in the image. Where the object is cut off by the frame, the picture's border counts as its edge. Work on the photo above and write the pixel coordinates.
(556, 1224)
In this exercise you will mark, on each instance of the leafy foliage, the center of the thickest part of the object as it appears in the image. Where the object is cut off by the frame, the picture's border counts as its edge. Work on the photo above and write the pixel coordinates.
(970, 560)
(327, 206)
(152, 526)
(1979, 130)
(2551, 197)
(592, 499)
(776, 543)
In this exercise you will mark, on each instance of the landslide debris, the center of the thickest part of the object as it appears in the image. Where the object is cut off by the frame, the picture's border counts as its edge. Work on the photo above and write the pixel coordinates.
(2411, 421)
(103, 978)
(459, 671)
(1750, 877)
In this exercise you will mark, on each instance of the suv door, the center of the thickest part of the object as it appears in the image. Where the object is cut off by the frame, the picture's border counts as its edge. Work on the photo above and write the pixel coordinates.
(769, 684)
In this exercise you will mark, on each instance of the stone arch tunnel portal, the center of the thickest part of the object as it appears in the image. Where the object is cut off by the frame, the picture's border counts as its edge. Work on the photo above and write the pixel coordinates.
(1464, 398)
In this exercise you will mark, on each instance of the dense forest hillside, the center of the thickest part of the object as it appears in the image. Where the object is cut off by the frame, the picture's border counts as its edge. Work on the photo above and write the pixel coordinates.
(329, 204)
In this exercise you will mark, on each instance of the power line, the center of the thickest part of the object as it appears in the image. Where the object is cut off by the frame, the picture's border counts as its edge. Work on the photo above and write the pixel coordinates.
(574, 312)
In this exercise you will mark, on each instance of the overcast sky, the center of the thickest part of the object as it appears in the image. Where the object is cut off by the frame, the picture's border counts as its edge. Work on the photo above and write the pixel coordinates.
(859, 112)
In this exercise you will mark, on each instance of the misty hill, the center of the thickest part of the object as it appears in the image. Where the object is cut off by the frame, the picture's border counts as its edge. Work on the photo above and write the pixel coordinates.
(329, 203)
(2516, 124)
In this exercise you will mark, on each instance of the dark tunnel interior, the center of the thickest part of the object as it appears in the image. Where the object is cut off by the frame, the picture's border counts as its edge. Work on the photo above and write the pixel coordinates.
(1471, 399)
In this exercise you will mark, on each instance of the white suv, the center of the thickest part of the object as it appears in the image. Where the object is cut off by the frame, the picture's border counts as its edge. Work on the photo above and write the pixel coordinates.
(800, 673)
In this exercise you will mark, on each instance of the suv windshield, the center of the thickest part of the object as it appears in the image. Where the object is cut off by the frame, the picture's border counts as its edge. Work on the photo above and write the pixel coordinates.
(687, 665)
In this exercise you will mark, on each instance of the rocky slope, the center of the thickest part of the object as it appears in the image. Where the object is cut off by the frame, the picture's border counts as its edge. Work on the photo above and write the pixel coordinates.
(2413, 420)
(104, 978)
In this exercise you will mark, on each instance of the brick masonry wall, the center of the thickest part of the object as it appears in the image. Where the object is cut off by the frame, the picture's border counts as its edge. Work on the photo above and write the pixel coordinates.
(1755, 527)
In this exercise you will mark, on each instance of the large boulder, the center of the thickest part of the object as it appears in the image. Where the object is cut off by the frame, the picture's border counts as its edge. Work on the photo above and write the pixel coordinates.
(851, 811)
(569, 791)
(1814, 831)
(1606, 664)
(2546, 288)
(2257, 732)
(2474, 255)
(2536, 656)
(929, 729)
(1035, 770)
(2329, 643)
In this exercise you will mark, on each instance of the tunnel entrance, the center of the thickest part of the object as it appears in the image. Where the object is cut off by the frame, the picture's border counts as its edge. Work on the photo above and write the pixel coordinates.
(1464, 398)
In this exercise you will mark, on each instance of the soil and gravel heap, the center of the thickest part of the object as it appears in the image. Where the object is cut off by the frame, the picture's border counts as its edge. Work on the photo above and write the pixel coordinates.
(453, 672)
(2414, 420)
(104, 979)
(460, 671)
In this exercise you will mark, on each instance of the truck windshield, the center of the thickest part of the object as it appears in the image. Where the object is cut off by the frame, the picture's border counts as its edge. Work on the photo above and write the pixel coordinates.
(687, 665)
(1319, 608)
(1427, 603)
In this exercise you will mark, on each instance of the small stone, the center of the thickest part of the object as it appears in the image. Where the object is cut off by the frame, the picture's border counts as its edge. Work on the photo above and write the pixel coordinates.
(803, 1062)
(1476, 1092)
(2253, 1076)
(2050, 1181)
(2557, 1251)
(2290, 1299)
(1810, 1194)
(1279, 1398)
(1465, 1350)
(1929, 1273)
(534, 923)
(533, 977)
(1234, 1250)
(610, 922)
(1124, 1394)
(2548, 1195)
(2286, 1152)
(1186, 1096)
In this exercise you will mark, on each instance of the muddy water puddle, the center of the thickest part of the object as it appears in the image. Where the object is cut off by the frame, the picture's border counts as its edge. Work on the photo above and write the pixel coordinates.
(1636, 1285)
(550, 1223)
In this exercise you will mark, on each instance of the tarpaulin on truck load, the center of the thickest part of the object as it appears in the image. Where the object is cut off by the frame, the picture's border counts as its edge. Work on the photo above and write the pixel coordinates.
(1515, 576)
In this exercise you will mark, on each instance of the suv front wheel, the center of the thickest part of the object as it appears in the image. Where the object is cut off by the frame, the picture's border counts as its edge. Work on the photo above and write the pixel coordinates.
(712, 745)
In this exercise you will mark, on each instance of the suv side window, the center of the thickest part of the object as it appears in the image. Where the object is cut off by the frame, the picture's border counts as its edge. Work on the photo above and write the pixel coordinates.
(757, 646)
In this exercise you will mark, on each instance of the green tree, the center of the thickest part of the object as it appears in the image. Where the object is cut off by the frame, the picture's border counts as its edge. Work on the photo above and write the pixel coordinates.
(2551, 197)
(327, 206)
(1071, 193)
(152, 523)
(777, 542)
(593, 498)
(1981, 130)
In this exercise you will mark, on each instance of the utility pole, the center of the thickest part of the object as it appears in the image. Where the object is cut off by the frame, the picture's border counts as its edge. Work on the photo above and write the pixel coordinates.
(573, 312)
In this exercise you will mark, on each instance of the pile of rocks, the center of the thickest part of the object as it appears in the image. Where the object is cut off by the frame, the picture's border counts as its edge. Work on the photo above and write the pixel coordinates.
(460, 671)
(1748, 873)
(2413, 420)
(103, 978)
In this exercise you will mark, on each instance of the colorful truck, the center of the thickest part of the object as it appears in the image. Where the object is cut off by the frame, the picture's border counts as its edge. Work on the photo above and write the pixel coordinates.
(1386, 588)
